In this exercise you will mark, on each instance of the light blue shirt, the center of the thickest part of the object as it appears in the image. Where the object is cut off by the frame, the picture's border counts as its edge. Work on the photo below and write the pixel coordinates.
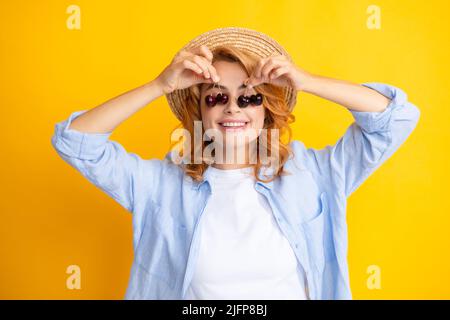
(309, 205)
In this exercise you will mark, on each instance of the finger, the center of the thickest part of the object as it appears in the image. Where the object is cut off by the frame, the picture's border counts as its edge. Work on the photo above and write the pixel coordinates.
(271, 64)
(277, 63)
(277, 72)
(211, 71)
(192, 66)
(259, 66)
(202, 63)
(209, 57)
(215, 74)
(194, 52)
(204, 50)
(203, 80)
(181, 54)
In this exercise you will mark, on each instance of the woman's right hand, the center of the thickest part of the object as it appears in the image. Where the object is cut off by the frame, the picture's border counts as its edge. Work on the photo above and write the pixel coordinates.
(188, 67)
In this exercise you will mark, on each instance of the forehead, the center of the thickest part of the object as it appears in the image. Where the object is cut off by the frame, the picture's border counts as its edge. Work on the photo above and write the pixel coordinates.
(228, 68)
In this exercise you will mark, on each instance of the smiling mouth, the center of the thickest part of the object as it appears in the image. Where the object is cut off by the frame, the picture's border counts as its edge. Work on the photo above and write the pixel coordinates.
(234, 127)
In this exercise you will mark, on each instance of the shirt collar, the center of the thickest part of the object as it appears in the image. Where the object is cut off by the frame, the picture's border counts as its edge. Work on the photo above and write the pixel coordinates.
(264, 173)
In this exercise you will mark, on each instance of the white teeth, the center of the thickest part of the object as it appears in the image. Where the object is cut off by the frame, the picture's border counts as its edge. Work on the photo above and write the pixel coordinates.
(233, 124)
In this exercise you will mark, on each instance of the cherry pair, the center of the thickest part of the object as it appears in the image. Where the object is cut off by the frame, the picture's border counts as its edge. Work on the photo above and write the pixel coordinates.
(243, 101)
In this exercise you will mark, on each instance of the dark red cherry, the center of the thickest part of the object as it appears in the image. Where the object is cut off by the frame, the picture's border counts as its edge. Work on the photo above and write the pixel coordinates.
(257, 99)
(243, 101)
(224, 99)
(210, 101)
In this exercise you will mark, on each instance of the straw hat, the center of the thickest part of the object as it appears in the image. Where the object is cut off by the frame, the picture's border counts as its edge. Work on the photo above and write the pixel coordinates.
(249, 40)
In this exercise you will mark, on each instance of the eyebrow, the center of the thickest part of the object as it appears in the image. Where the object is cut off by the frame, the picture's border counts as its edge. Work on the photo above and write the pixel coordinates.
(211, 85)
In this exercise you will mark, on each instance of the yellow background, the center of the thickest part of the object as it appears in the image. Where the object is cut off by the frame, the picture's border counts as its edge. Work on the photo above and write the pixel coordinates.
(52, 217)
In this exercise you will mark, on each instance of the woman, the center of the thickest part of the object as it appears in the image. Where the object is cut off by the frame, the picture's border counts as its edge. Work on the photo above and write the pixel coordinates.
(271, 226)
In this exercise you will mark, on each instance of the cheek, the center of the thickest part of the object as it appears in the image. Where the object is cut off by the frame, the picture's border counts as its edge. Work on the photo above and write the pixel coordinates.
(208, 117)
(258, 118)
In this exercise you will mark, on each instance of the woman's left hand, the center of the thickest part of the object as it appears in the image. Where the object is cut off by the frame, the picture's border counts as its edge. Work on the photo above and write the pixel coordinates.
(278, 70)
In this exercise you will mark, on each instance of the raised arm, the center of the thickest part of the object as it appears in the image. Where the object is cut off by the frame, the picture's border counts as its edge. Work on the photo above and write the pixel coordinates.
(83, 139)
(384, 118)
(353, 96)
(110, 114)
(83, 142)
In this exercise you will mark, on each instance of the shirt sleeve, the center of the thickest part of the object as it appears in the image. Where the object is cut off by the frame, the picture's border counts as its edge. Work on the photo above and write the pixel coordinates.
(104, 162)
(368, 142)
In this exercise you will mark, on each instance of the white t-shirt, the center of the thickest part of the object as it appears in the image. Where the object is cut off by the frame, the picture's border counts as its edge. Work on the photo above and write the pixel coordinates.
(243, 253)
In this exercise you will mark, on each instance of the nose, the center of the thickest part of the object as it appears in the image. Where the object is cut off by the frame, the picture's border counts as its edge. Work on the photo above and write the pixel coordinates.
(232, 107)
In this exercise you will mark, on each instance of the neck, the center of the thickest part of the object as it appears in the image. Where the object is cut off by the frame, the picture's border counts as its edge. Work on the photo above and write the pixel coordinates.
(233, 163)
(228, 166)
